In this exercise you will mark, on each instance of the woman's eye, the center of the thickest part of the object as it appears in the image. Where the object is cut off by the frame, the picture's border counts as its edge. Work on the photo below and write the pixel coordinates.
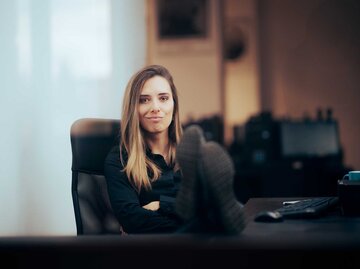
(144, 100)
(164, 98)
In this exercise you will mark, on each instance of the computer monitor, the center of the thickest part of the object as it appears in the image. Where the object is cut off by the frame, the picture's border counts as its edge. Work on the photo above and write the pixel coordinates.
(309, 139)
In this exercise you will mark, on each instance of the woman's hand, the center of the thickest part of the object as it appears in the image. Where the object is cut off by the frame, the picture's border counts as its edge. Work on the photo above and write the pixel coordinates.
(155, 205)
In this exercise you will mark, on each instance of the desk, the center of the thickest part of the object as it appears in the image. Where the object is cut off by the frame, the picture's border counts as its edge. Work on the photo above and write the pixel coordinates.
(332, 231)
(329, 242)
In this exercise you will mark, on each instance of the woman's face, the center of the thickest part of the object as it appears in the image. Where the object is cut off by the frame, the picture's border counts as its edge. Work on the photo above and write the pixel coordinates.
(156, 105)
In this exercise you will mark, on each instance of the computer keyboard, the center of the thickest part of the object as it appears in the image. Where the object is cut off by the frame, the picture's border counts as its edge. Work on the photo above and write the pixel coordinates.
(307, 208)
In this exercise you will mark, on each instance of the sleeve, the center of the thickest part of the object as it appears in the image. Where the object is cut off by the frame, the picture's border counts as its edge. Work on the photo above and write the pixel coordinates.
(167, 203)
(126, 206)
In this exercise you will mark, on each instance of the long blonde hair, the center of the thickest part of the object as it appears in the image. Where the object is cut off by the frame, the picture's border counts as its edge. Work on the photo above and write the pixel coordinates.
(141, 170)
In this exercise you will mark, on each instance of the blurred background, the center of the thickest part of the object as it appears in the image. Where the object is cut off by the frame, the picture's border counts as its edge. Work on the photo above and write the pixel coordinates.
(276, 82)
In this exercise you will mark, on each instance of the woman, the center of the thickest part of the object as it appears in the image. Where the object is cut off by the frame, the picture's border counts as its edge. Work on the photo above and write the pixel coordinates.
(143, 176)
(144, 179)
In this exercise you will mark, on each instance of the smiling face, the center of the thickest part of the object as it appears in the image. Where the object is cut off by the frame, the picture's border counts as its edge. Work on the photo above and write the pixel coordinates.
(156, 105)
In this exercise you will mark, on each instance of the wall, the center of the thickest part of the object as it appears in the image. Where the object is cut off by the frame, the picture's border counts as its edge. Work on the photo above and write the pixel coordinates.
(241, 74)
(195, 64)
(310, 59)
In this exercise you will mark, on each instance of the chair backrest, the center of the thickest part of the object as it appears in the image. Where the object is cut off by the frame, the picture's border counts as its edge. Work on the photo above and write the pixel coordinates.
(91, 140)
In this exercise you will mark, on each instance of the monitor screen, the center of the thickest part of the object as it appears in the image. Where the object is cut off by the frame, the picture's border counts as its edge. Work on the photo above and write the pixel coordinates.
(309, 139)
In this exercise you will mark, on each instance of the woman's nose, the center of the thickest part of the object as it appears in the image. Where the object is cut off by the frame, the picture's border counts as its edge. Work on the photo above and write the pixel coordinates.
(155, 107)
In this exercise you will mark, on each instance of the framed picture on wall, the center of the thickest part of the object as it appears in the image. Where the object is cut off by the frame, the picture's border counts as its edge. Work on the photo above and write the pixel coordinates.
(182, 19)
(186, 25)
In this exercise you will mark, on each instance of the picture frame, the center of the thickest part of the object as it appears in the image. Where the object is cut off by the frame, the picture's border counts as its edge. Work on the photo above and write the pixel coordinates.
(186, 19)
(184, 26)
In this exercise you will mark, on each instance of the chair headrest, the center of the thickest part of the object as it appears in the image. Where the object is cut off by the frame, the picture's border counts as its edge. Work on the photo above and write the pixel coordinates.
(91, 140)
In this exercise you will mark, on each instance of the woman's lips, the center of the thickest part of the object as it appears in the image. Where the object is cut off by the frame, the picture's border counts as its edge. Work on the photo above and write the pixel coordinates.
(155, 119)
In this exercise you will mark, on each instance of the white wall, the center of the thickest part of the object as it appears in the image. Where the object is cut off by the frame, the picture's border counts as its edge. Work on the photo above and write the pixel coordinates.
(60, 60)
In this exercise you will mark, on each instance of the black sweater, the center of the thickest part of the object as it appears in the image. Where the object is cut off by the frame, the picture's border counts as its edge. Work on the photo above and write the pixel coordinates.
(127, 203)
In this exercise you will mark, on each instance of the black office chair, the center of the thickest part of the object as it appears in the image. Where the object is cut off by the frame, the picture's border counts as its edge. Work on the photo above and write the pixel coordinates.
(91, 140)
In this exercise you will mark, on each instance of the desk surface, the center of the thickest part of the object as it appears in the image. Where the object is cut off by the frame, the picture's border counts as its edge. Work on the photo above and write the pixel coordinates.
(329, 240)
(330, 231)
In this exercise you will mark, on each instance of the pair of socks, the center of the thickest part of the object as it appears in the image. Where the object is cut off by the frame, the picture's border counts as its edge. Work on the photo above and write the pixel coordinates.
(206, 195)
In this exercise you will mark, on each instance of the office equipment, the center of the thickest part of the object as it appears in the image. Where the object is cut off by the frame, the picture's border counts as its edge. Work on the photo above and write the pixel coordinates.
(91, 140)
(305, 208)
(309, 139)
(261, 143)
(269, 216)
(349, 196)
(304, 157)
(213, 128)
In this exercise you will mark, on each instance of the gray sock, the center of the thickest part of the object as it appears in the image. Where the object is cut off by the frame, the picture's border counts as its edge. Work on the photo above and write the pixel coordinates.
(219, 173)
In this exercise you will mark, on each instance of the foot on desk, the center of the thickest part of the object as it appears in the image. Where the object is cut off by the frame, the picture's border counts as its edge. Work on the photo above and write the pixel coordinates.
(219, 173)
(188, 155)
